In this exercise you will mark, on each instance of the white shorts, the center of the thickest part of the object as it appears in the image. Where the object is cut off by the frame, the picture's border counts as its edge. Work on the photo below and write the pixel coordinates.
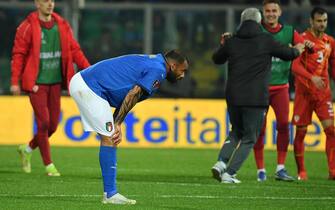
(96, 114)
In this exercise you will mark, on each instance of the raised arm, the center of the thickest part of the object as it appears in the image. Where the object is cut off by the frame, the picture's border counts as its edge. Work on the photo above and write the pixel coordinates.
(220, 56)
(285, 52)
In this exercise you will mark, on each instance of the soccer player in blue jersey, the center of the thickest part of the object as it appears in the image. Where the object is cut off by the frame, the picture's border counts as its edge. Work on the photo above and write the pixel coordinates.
(119, 82)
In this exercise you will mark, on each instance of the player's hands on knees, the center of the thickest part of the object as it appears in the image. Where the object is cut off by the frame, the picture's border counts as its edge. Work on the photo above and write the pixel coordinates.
(15, 90)
(117, 135)
(318, 82)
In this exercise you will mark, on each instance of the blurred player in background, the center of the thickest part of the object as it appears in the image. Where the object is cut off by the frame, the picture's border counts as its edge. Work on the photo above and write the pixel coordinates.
(119, 82)
(313, 90)
(248, 52)
(278, 90)
(42, 60)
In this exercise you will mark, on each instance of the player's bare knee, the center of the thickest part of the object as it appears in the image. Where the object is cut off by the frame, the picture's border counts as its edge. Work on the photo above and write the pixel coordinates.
(106, 140)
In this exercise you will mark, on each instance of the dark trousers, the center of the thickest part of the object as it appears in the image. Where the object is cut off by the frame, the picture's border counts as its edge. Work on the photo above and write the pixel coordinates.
(246, 124)
(46, 106)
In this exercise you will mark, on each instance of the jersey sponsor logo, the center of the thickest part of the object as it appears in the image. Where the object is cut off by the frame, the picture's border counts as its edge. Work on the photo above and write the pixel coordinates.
(109, 126)
(156, 84)
(296, 118)
(46, 55)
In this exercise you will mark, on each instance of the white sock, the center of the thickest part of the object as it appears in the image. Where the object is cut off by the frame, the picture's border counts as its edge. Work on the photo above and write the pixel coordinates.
(261, 170)
(280, 167)
(50, 165)
(29, 149)
(221, 165)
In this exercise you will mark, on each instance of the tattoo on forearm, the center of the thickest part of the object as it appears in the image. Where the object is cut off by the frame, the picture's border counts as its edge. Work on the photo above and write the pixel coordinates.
(128, 103)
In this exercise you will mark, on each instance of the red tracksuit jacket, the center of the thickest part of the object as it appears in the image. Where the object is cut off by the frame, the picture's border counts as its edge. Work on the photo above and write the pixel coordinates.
(26, 52)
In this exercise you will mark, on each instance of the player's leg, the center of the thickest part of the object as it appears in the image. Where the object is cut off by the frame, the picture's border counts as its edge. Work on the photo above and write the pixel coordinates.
(54, 112)
(38, 101)
(229, 144)
(252, 120)
(325, 113)
(107, 159)
(100, 120)
(299, 150)
(259, 154)
(227, 149)
(54, 107)
(108, 165)
(330, 146)
(280, 105)
(302, 116)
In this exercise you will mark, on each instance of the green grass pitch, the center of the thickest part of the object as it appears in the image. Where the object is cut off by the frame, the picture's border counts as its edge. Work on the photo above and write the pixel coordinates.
(171, 179)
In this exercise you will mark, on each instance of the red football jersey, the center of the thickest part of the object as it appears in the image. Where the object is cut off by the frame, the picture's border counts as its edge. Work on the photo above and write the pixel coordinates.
(316, 61)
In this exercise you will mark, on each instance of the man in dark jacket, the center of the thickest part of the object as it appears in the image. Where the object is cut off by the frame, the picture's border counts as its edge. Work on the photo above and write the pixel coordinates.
(249, 53)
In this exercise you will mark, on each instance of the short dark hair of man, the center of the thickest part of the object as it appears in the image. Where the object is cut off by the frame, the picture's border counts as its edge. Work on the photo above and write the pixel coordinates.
(318, 10)
(271, 2)
(175, 55)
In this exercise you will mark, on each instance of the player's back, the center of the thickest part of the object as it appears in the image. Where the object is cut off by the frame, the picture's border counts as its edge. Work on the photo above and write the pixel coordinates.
(113, 78)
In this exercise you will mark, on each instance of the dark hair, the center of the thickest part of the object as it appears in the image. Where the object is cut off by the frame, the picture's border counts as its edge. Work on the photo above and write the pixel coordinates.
(318, 10)
(271, 2)
(175, 55)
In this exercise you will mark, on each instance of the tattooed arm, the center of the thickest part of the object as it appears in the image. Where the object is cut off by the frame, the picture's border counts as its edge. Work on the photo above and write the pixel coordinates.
(128, 103)
(119, 114)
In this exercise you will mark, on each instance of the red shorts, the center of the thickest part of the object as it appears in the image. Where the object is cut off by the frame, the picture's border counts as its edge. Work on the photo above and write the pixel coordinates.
(305, 104)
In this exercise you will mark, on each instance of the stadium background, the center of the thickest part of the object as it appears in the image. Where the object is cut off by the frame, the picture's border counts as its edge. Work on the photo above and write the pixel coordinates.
(111, 28)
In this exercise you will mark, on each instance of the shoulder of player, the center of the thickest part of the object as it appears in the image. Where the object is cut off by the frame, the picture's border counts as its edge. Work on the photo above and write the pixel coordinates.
(25, 27)
(307, 33)
(31, 19)
(329, 37)
(60, 20)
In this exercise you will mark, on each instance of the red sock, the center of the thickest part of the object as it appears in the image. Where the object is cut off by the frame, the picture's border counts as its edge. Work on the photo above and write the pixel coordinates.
(281, 157)
(44, 146)
(299, 148)
(259, 151)
(282, 143)
(330, 149)
(259, 158)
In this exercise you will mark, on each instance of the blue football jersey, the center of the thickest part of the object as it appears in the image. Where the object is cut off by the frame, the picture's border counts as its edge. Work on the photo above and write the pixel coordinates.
(113, 78)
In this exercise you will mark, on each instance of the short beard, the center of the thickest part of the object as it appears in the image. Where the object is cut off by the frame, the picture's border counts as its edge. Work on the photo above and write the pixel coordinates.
(171, 77)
